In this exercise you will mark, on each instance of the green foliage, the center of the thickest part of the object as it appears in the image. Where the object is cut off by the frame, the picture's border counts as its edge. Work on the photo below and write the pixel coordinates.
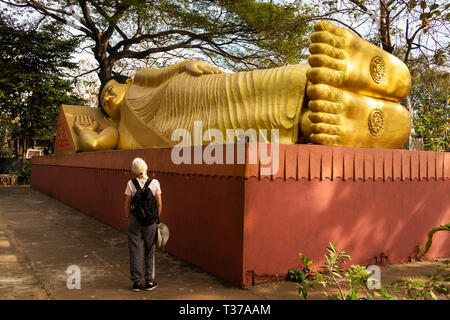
(352, 283)
(410, 289)
(304, 277)
(281, 31)
(25, 174)
(236, 34)
(32, 84)
(233, 34)
(429, 99)
(423, 251)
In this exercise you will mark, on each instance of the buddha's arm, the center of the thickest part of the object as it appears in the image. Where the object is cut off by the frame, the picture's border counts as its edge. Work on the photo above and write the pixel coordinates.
(154, 77)
(91, 140)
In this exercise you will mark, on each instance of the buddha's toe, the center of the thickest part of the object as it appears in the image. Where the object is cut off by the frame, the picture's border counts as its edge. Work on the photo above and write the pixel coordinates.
(328, 26)
(328, 38)
(323, 60)
(325, 128)
(326, 75)
(322, 117)
(326, 49)
(325, 106)
(324, 139)
(324, 92)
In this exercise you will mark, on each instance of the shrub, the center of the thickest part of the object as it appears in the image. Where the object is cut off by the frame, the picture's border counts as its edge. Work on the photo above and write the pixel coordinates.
(355, 283)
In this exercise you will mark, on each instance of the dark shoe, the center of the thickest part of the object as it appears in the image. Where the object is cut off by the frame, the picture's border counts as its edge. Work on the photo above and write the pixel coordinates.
(137, 286)
(150, 285)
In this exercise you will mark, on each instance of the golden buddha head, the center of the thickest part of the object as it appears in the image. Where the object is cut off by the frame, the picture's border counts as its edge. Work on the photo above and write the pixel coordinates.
(111, 95)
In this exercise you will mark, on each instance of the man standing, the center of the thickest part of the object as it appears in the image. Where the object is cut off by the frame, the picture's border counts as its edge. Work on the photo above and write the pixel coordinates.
(142, 239)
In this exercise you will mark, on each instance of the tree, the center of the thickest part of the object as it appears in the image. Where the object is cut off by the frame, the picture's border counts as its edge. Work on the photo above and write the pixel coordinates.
(400, 27)
(32, 86)
(237, 34)
(429, 99)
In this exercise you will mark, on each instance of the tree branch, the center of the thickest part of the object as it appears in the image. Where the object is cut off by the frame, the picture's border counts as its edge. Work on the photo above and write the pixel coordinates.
(85, 73)
(410, 40)
(87, 17)
(150, 37)
(145, 53)
(48, 11)
(122, 34)
(363, 7)
(40, 5)
(14, 4)
(346, 25)
(120, 9)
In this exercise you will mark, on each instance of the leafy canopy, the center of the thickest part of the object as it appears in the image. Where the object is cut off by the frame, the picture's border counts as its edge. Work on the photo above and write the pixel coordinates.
(235, 34)
(32, 83)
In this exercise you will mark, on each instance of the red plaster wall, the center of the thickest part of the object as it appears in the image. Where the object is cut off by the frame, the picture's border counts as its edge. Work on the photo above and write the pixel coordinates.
(363, 218)
(242, 226)
(205, 218)
(98, 193)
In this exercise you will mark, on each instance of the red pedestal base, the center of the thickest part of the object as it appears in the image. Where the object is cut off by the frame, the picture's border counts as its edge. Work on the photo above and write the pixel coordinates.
(247, 228)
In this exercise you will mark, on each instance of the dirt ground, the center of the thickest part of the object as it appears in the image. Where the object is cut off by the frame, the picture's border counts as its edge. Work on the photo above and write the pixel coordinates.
(41, 237)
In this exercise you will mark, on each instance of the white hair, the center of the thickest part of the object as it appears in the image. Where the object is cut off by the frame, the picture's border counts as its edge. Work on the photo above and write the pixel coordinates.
(139, 167)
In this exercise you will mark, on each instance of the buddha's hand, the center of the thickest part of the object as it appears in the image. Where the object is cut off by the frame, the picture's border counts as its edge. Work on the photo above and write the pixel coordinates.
(85, 123)
(198, 68)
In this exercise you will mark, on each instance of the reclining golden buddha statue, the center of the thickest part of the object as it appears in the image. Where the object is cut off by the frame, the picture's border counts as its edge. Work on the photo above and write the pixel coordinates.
(346, 95)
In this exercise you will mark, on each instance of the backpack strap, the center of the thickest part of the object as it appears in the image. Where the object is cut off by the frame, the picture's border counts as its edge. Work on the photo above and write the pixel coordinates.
(136, 184)
(147, 183)
(138, 187)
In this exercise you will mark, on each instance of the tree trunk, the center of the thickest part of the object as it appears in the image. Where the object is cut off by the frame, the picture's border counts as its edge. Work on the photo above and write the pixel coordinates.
(24, 151)
(105, 63)
(105, 71)
(414, 142)
(385, 28)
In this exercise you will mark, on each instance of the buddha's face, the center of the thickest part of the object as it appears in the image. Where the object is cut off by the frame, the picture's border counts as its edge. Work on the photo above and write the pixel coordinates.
(112, 97)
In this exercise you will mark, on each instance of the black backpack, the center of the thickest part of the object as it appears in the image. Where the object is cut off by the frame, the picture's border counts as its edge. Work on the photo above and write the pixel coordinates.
(145, 206)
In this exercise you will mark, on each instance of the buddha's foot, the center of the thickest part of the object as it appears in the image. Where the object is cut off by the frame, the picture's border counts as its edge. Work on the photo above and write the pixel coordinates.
(340, 117)
(341, 59)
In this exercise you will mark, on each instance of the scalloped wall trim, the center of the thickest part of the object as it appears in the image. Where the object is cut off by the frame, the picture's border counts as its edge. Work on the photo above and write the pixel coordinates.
(296, 162)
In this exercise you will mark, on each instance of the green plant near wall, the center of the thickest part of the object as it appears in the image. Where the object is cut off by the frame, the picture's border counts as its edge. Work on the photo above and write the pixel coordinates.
(410, 289)
(353, 283)
(25, 173)
(306, 278)
(424, 251)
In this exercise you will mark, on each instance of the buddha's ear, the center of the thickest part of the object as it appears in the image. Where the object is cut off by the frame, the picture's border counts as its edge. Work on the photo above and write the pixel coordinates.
(129, 81)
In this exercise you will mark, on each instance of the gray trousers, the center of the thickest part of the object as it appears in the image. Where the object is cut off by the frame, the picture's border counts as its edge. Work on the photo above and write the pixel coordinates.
(141, 244)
